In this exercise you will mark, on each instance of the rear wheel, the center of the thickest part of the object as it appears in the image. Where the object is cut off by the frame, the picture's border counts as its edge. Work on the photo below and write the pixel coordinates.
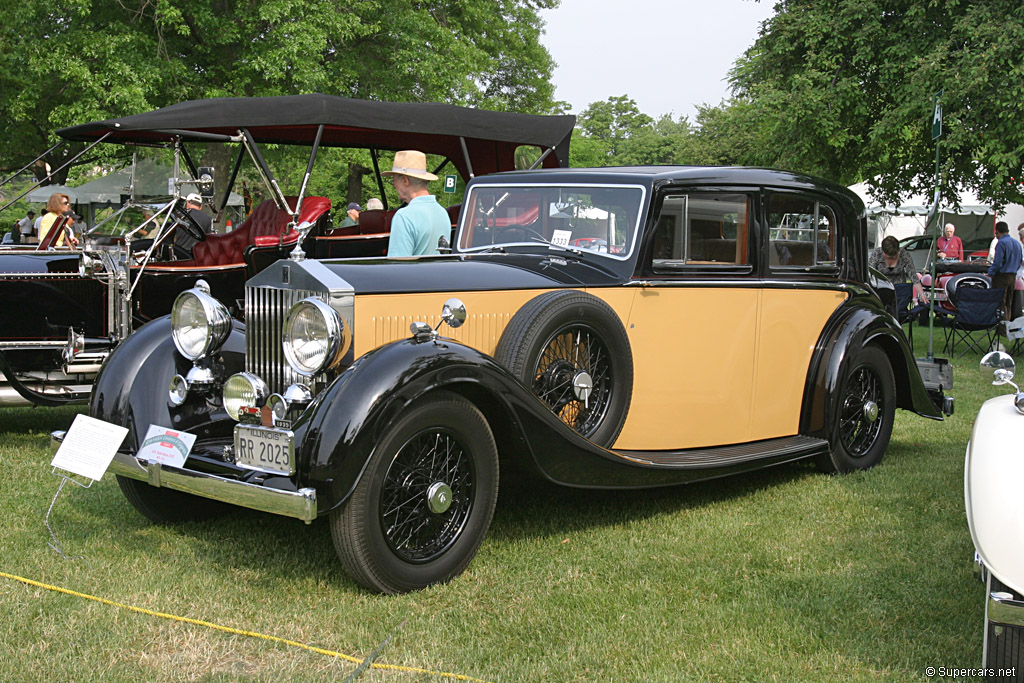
(864, 414)
(425, 501)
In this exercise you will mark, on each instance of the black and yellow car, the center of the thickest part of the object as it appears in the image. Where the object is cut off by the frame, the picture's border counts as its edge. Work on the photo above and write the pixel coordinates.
(717, 320)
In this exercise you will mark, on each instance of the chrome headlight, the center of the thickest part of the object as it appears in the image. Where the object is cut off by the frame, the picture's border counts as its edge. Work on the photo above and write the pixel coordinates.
(315, 337)
(200, 324)
(243, 390)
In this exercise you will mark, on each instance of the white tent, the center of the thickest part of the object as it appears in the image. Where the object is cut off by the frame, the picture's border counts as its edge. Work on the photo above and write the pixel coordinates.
(973, 219)
(151, 185)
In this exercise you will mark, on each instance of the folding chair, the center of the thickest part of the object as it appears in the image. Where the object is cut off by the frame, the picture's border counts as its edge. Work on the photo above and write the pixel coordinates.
(977, 310)
(1015, 335)
(906, 311)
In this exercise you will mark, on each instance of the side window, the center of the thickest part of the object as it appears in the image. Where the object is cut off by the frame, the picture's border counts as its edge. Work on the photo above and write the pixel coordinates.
(802, 232)
(701, 228)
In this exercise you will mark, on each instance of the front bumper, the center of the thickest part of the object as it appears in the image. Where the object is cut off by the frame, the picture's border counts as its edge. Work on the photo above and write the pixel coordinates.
(299, 504)
(1004, 631)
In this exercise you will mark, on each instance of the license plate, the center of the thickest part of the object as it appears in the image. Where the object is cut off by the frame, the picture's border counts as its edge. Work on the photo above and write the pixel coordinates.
(265, 449)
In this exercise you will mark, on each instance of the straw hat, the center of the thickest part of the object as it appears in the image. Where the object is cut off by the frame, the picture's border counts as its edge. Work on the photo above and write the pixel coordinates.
(411, 163)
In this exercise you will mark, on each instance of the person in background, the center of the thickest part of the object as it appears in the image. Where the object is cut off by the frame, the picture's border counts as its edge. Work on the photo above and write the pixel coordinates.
(949, 246)
(352, 217)
(418, 228)
(1005, 263)
(377, 205)
(58, 205)
(896, 265)
(25, 229)
(194, 205)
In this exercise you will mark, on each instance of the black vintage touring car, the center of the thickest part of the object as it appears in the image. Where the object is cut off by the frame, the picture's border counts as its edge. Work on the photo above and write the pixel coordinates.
(74, 306)
(604, 328)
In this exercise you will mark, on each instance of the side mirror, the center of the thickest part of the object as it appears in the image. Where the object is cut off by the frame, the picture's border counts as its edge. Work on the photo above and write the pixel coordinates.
(454, 313)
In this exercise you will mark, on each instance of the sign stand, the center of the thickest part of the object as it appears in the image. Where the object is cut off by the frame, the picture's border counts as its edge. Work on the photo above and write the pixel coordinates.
(54, 543)
(87, 450)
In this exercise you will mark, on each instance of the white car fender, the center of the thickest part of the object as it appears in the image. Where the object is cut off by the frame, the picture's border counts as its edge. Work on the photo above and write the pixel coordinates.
(994, 489)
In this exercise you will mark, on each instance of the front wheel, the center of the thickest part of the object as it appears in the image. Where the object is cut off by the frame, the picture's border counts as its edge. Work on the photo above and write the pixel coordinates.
(864, 414)
(425, 501)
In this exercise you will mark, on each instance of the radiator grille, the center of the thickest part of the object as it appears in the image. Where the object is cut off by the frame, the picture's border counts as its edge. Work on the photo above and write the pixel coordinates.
(265, 311)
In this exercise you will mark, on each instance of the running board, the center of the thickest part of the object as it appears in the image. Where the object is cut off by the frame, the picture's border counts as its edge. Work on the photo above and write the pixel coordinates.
(773, 450)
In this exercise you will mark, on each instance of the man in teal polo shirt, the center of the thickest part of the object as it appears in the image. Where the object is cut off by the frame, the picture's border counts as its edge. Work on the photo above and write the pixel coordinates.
(419, 227)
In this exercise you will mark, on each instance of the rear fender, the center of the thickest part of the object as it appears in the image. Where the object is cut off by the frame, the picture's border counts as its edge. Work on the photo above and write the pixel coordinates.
(852, 327)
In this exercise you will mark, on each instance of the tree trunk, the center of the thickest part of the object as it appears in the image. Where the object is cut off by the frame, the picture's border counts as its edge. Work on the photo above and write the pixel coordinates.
(355, 184)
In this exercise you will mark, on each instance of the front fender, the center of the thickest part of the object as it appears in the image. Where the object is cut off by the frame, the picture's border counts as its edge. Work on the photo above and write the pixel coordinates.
(992, 474)
(853, 326)
(343, 426)
(131, 388)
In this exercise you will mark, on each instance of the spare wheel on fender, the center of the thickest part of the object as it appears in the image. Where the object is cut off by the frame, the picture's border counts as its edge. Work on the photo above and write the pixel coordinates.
(571, 350)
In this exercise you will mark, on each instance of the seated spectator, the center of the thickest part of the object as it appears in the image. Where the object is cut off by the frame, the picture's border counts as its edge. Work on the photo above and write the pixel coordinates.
(896, 265)
(352, 218)
(58, 205)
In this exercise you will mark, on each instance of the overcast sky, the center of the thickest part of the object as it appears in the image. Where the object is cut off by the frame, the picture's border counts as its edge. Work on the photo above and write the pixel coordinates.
(668, 55)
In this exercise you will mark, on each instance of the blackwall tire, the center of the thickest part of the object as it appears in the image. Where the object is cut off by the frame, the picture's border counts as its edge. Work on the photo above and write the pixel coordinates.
(563, 340)
(425, 501)
(164, 506)
(864, 415)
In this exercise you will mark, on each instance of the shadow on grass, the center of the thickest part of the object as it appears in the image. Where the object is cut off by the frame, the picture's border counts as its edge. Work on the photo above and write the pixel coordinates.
(529, 507)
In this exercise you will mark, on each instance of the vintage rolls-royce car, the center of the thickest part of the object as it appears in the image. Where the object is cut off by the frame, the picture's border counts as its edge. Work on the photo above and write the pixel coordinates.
(603, 328)
(76, 305)
(993, 473)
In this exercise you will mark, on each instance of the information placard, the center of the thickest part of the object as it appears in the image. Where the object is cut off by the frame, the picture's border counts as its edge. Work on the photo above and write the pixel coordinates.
(166, 446)
(88, 447)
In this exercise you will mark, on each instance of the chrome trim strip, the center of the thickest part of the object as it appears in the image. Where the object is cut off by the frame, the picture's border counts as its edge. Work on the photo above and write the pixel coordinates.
(34, 344)
(299, 504)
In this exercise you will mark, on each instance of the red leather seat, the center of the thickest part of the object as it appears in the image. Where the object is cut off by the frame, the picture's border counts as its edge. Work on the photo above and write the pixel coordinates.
(265, 226)
(375, 222)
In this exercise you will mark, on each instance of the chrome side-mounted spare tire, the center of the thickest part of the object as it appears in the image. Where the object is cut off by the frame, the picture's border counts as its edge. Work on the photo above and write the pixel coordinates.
(425, 500)
(571, 350)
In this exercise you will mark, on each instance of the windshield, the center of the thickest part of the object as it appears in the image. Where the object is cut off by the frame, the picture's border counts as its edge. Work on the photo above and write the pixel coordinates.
(599, 219)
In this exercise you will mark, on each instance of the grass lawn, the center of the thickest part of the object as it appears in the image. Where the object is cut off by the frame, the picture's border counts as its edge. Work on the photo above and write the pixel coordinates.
(784, 575)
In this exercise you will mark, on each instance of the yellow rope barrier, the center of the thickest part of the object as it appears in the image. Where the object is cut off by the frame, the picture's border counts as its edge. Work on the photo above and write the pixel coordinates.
(241, 632)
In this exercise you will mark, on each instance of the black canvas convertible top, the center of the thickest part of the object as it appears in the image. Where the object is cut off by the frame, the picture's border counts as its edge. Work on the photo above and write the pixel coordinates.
(490, 137)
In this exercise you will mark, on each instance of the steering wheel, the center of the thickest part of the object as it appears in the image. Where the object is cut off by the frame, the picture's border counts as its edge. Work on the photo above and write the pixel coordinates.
(187, 223)
(522, 229)
(139, 247)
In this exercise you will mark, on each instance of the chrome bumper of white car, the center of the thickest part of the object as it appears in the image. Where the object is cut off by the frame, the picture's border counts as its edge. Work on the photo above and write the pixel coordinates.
(299, 504)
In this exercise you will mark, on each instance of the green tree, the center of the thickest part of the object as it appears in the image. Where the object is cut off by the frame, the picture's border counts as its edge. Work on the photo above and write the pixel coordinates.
(616, 133)
(843, 89)
(79, 60)
(612, 122)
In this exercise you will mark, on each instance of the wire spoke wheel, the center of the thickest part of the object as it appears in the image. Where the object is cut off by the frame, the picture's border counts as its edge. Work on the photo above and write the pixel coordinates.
(426, 496)
(574, 377)
(863, 413)
(859, 423)
(570, 350)
(422, 506)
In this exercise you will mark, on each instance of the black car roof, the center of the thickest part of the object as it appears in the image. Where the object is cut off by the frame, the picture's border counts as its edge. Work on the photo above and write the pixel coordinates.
(293, 119)
(650, 175)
